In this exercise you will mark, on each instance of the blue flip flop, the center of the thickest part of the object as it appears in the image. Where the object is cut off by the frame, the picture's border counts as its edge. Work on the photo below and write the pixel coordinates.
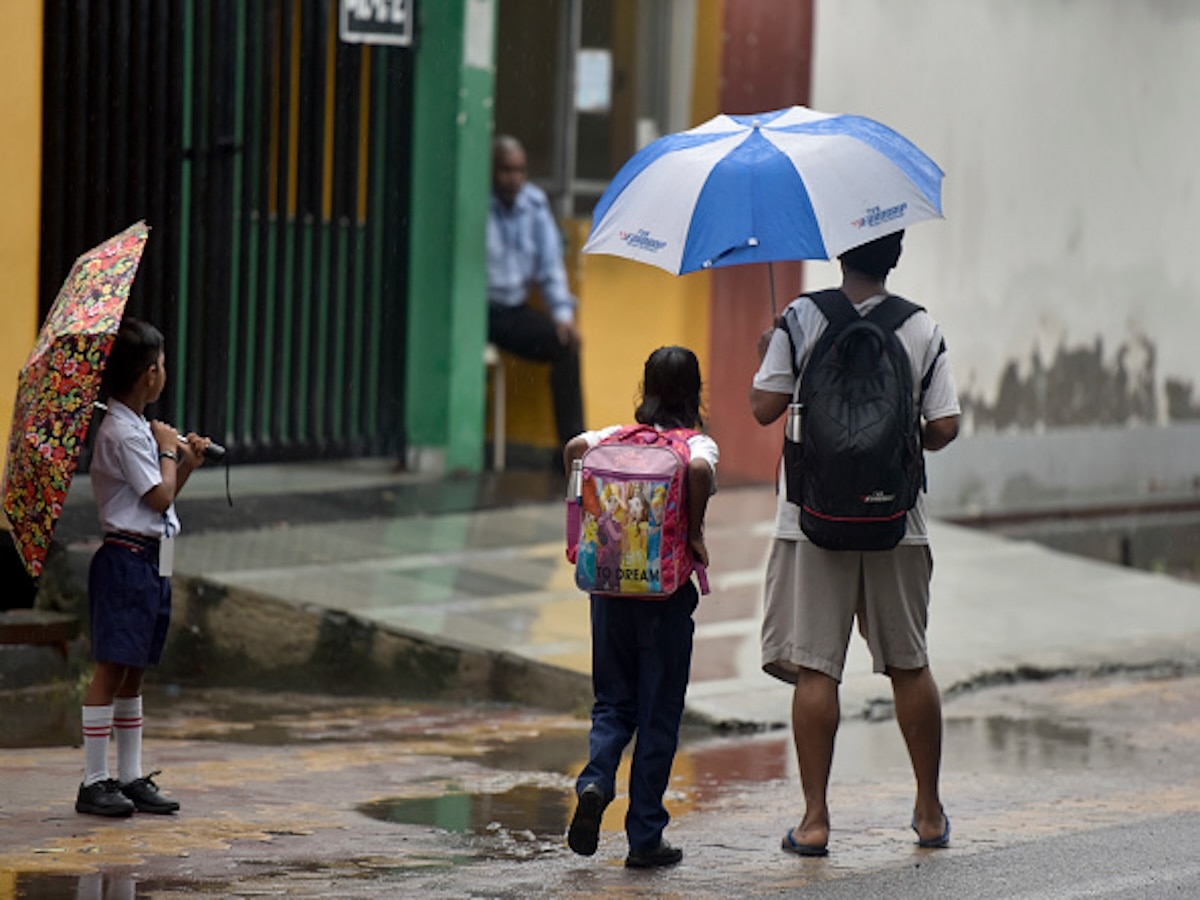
(937, 843)
(791, 845)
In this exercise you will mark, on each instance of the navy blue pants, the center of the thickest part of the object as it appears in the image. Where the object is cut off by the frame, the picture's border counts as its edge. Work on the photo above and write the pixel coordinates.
(641, 660)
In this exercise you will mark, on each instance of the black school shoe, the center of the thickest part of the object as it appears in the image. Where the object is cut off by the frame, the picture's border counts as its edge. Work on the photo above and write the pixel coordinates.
(584, 834)
(146, 797)
(662, 855)
(103, 798)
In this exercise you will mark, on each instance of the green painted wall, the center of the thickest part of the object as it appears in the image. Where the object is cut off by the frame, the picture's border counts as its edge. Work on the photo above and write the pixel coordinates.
(451, 180)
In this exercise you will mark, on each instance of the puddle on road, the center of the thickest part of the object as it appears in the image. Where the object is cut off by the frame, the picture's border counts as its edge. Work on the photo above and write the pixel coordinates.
(306, 879)
(74, 887)
(528, 818)
(525, 820)
(520, 823)
(1008, 745)
(559, 752)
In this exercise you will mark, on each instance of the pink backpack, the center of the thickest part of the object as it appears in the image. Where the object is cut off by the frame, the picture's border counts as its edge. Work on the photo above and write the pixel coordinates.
(627, 528)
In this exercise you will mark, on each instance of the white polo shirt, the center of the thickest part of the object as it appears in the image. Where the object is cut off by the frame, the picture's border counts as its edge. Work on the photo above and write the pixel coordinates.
(124, 469)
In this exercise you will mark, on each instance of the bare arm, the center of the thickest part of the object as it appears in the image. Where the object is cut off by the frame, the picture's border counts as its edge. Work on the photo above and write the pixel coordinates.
(162, 494)
(191, 457)
(767, 406)
(174, 474)
(700, 482)
(939, 432)
(574, 449)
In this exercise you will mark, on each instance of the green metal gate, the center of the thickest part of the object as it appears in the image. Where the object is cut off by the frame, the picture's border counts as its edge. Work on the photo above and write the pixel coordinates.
(272, 164)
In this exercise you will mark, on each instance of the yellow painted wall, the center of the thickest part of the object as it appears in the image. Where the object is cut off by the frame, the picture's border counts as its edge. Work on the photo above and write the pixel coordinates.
(706, 75)
(626, 311)
(20, 186)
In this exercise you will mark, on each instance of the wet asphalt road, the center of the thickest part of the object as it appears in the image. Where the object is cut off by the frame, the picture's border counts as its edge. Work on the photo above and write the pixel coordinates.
(1062, 788)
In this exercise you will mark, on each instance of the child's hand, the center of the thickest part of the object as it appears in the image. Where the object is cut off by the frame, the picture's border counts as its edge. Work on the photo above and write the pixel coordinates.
(165, 436)
(195, 447)
(699, 550)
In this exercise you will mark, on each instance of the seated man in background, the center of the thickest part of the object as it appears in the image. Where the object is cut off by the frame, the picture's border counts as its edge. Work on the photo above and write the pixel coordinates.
(524, 248)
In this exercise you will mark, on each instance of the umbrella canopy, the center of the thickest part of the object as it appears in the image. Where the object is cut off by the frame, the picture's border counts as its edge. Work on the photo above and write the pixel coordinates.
(57, 387)
(791, 184)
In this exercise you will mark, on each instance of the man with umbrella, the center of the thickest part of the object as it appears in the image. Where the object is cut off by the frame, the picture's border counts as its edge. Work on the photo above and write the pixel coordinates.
(793, 184)
(814, 595)
(138, 469)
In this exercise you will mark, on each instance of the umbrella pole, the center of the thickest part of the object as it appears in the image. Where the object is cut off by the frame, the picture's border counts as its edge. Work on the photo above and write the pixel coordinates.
(771, 276)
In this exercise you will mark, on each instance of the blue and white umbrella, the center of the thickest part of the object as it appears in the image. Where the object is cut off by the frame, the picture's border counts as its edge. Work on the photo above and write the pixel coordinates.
(785, 185)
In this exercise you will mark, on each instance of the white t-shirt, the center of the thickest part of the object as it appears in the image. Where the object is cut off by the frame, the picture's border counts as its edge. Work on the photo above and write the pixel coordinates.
(124, 467)
(919, 335)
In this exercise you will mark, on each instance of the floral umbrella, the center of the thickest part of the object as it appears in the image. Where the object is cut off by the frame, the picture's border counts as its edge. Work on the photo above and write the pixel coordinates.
(57, 387)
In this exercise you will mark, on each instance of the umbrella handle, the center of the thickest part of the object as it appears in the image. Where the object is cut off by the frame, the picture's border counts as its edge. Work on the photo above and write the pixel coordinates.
(771, 275)
(214, 452)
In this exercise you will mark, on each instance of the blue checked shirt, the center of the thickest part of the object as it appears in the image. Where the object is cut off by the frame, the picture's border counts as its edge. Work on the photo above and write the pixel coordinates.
(524, 247)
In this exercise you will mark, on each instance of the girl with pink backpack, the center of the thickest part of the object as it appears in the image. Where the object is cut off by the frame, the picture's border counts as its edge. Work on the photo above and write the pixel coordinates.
(641, 639)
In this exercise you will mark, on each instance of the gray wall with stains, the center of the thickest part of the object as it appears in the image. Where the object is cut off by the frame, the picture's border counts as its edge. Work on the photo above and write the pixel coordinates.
(1064, 273)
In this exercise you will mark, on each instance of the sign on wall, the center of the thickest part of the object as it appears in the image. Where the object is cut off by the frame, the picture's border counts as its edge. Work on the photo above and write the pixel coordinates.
(593, 80)
(377, 22)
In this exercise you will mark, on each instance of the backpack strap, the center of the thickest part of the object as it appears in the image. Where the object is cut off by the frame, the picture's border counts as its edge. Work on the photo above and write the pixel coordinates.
(649, 435)
(927, 378)
(838, 312)
(787, 324)
(893, 312)
(835, 307)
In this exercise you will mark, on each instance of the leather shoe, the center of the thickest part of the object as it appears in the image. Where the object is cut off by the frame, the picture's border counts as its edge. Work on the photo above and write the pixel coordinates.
(146, 797)
(103, 798)
(662, 855)
(584, 834)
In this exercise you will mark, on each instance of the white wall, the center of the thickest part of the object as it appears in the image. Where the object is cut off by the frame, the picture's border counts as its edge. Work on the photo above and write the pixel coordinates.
(1069, 131)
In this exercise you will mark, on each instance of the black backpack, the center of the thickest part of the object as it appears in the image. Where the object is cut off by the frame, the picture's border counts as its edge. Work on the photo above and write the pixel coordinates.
(858, 467)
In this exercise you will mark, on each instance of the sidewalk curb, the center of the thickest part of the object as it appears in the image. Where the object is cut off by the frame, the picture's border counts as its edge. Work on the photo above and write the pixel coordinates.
(223, 635)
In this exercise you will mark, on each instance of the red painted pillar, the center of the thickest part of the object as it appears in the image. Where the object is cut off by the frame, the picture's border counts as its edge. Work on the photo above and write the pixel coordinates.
(765, 65)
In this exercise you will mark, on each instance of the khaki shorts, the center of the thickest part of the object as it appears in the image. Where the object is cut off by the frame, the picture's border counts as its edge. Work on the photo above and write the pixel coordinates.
(813, 597)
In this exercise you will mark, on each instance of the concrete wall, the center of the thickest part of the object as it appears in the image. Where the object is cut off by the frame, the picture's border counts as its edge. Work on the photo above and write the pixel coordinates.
(1063, 273)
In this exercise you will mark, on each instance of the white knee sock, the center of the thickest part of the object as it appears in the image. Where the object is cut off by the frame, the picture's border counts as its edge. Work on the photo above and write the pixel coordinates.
(127, 724)
(97, 728)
